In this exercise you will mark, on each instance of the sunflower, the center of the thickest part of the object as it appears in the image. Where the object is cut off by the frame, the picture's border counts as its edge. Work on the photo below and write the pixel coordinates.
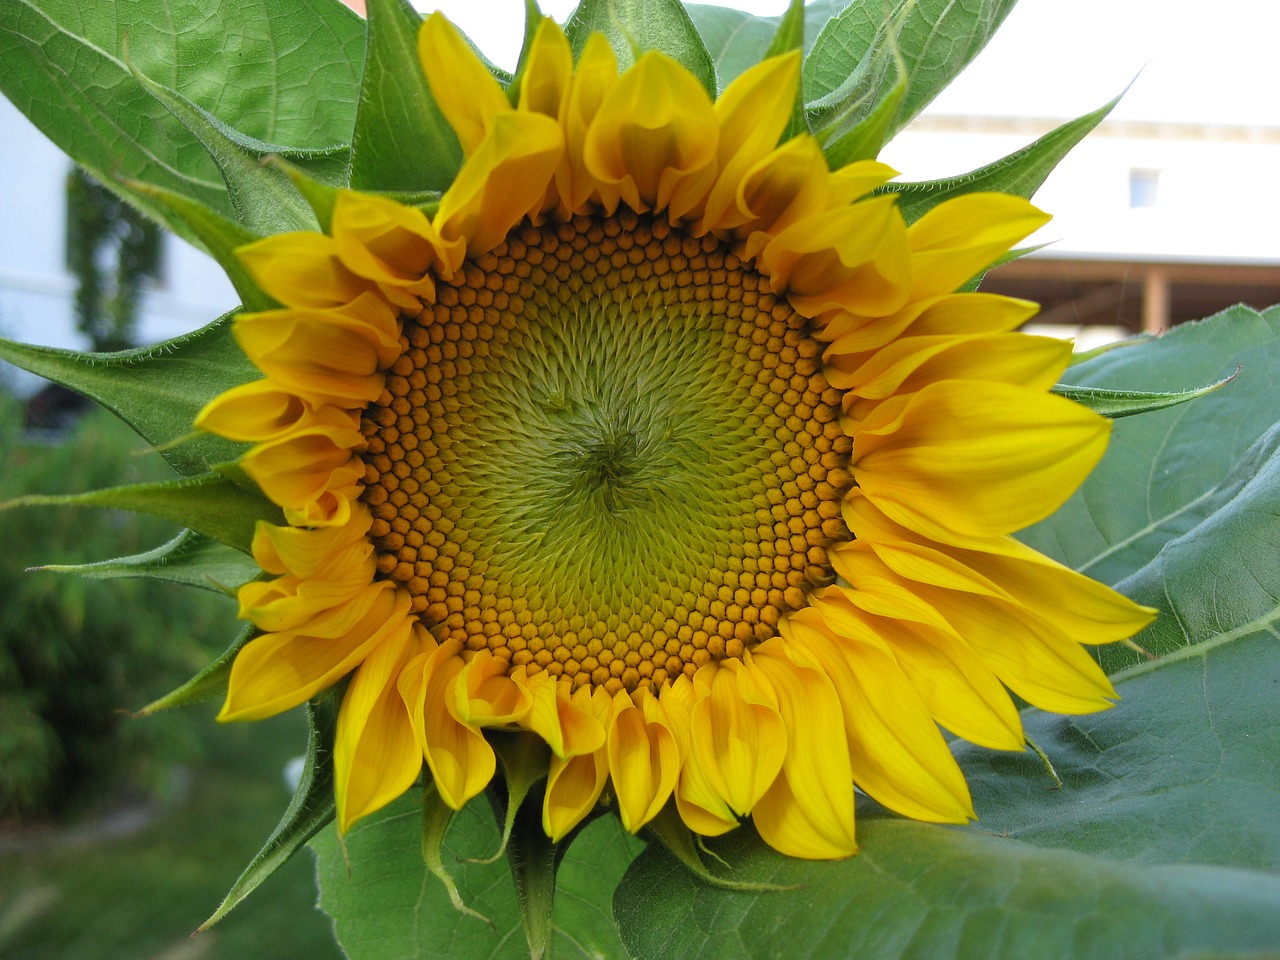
(659, 441)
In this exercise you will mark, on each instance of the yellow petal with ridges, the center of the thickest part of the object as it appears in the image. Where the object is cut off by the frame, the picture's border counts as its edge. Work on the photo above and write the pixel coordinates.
(484, 696)
(959, 238)
(644, 760)
(976, 458)
(548, 71)
(322, 553)
(256, 411)
(503, 180)
(376, 756)
(384, 241)
(301, 270)
(736, 732)
(309, 472)
(567, 729)
(574, 783)
(462, 762)
(277, 671)
(595, 76)
(853, 259)
(654, 138)
(701, 807)
(808, 810)
(896, 751)
(753, 111)
(956, 687)
(463, 88)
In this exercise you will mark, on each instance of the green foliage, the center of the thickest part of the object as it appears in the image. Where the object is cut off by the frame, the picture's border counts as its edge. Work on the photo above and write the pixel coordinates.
(634, 26)
(102, 230)
(413, 916)
(74, 653)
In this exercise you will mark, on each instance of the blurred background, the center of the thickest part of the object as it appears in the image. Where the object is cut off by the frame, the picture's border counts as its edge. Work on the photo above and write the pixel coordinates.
(119, 835)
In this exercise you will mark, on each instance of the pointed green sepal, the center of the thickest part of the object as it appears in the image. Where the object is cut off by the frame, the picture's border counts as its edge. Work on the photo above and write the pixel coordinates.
(1115, 404)
(534, 858)
(401, 141)
(790, 36)
(872, 132)
(532, 22)
(436, 817)
(311, 809)
(1099, 350)
(221, 238)
(524, 758)
(189, 558)
(670, 831)
(265, 200)
(634, 26)
(1020, 173)
(156, 390)
(209, 683)
(209, 504)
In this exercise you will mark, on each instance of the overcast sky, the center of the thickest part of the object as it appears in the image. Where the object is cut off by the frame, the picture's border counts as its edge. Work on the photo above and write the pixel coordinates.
(1195, 62)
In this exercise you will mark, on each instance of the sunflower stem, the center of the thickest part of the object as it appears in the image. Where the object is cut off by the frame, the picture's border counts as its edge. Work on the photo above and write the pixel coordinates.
(534, 859)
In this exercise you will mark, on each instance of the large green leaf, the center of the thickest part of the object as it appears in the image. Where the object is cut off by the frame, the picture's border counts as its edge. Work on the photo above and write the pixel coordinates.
(1181, 513)
(1162, 842)
(633, 26)
(293, 85)
(737, 40)
(387, 904)
(402, 140)
(157, 390)
(850, 68)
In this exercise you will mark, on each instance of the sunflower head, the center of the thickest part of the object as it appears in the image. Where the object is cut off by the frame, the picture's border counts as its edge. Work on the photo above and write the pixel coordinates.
(658, 440)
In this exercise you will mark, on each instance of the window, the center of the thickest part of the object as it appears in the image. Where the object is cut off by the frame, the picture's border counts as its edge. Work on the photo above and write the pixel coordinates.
(1144, 187)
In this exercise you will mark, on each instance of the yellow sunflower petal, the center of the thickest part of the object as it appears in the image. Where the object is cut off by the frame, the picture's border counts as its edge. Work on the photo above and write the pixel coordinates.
(277, 671)
(595, 76)
(808, 810)
(959, 238)
(574, 783)
(701, 807)
(644, 760)
(560, 719)
(462, 762)
(548, 72)
(484, 696)
(976, 458)
(653, 139)
(852, 259)
(503, 180)
(753, 111)
(463, 88)
(328, 553)
(897, 754)
(385, 241)
(376, 756)
(736, 732)
(313, 473)
(260, 410)
(302, 270)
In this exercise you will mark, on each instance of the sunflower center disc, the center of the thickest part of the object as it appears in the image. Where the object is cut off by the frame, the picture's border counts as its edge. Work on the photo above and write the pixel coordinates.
(607, 452)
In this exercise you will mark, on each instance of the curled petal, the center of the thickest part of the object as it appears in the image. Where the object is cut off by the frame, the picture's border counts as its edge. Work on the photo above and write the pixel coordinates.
(595, 76)
(975, 458)
(568, 729)
(548, 72)
(753, 111)
(852, 259)
(700, 805)
(574, 783)
(896, 751)
(277, 671)
(503, 180)
(808, 810)
(302, 270)
(644, 760)
(376, 756)
(312, 473)
(339, 353)
(484, 696)
(464, 89)
(736, 732)
(256, 411)
(462, 762)
(654, 138)
(386, 242)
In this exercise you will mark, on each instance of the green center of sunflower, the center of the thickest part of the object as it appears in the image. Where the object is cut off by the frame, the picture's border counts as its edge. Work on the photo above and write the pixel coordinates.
(607, 452)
